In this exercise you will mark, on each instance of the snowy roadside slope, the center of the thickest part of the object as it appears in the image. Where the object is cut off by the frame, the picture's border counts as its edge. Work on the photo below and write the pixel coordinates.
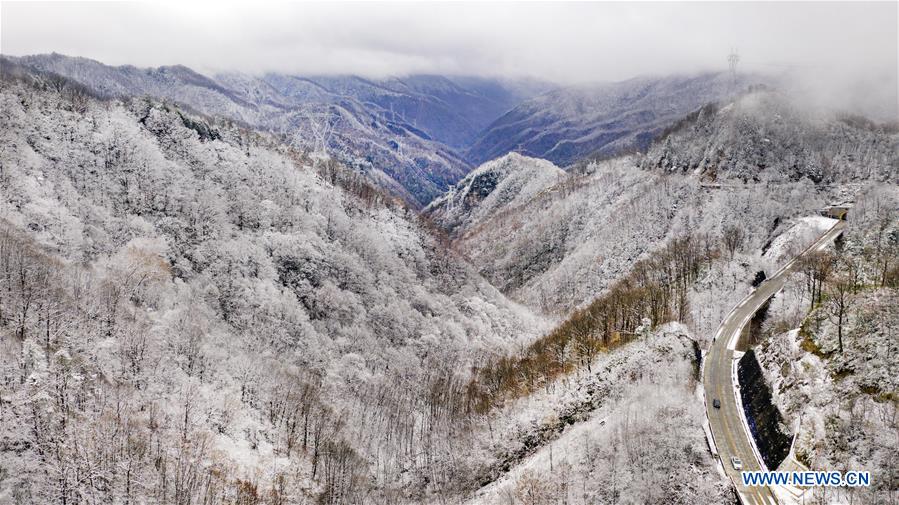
(842, 408)
(793, 241)
(842, 405)
(629, 430)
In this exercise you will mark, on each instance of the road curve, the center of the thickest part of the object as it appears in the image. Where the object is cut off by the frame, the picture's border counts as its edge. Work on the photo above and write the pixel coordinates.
(729, 432)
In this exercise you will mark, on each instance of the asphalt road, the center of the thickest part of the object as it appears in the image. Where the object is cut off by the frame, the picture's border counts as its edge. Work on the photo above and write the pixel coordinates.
(730, 433)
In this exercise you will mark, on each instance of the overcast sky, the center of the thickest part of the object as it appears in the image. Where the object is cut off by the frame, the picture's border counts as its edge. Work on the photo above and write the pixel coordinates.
(562, 42)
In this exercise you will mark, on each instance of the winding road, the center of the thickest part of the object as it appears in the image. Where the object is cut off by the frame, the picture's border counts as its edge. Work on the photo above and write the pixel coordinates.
(729, 431)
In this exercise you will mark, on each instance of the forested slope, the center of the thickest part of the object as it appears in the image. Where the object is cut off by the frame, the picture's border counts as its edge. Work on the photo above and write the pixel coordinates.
(191, 312)
(402, 133)
(606, 119)
(766, 137)
(829, 352)
(748, 166)
(496, 186)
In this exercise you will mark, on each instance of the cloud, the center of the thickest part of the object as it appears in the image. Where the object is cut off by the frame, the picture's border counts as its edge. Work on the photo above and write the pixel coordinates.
(563, 42)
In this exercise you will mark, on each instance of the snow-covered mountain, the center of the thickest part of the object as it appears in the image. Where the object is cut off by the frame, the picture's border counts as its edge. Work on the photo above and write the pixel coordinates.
(563, 241)
(196, 311)
(196, 302)
(764, 136)
(568, 124)
(403, 130)
(496, 186)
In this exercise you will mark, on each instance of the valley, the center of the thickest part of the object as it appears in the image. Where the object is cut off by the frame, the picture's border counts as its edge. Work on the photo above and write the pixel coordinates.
(317, 254)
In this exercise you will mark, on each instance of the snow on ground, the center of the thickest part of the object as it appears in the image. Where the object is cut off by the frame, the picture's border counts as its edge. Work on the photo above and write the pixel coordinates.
(841, 406)
(495, 186)
(799, 236)
(716, 293)
(624, 387)
(723, 286)
(630, 431)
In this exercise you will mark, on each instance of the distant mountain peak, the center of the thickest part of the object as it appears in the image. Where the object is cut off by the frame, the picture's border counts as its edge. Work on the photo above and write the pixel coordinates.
(568, 124)
(493, 187)
(408, 130)
(765, 136)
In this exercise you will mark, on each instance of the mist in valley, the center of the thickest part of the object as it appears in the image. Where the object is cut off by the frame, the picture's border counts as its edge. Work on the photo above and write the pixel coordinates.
(433, 253)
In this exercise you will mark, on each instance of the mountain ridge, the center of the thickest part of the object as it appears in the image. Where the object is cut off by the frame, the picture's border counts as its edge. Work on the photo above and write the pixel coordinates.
(502, 183)
(392, 127)
(570, 123)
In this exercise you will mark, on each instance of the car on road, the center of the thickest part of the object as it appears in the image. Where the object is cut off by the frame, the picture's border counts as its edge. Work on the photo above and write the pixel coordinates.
(737, 463)
(716, 403)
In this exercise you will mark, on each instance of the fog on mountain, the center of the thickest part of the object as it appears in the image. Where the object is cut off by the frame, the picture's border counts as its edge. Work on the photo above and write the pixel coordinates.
(290, 288)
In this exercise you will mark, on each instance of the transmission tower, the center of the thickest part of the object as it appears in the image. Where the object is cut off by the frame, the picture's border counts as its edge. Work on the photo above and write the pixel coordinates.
(732, 59)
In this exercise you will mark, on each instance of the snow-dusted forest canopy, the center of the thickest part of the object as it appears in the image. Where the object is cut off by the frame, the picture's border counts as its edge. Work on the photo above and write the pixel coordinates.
(403, 132)
(195, 311)
(829, 351)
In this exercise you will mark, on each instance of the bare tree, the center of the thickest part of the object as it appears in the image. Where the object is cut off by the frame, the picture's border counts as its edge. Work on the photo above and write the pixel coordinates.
(733, 238)
(816, 267)
(839, 289)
